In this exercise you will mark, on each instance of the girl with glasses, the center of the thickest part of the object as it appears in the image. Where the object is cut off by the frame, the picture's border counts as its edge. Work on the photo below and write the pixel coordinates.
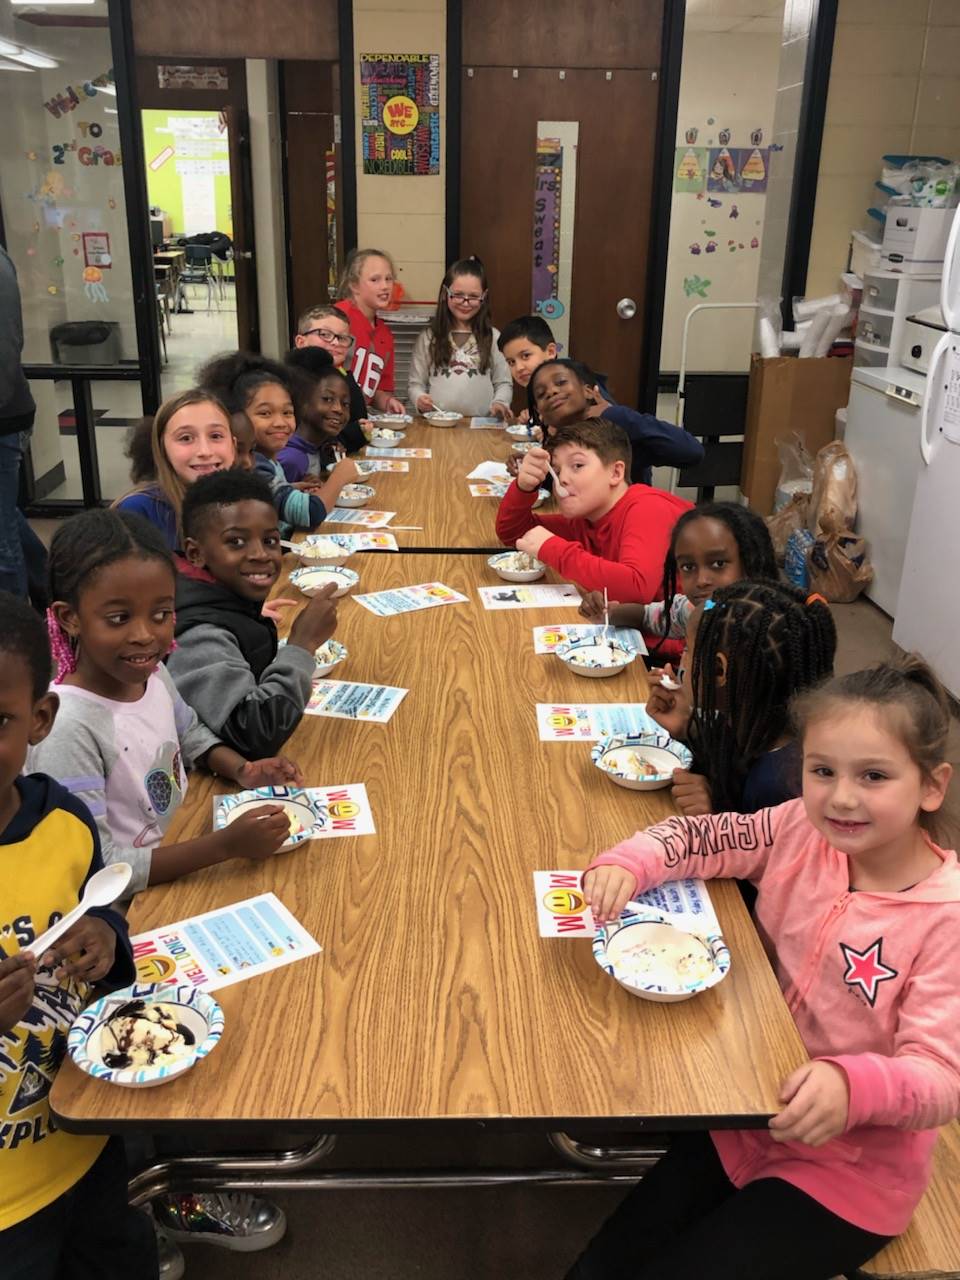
(456, 364)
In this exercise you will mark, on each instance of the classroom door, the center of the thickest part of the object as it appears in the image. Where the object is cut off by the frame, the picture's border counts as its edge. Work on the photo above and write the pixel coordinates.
(604, 222)
(244, 253)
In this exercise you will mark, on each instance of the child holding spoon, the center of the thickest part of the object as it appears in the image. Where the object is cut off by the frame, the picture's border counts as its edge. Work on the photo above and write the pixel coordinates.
(62, 1196)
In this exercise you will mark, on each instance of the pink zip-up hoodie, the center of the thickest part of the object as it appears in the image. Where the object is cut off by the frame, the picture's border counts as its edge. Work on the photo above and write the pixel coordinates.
(873, 983)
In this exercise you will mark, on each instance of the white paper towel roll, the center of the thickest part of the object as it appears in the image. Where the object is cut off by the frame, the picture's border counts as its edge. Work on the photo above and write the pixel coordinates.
(807, 308)
(769, 346)
(811, 338)
(839, 318)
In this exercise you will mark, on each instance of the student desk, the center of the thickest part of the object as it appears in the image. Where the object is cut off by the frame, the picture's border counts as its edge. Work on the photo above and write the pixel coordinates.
(435, 491)
(434, 999)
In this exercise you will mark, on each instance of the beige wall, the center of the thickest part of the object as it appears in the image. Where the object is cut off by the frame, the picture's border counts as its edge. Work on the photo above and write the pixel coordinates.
(403, 215)
(894, 87)
(730, 77)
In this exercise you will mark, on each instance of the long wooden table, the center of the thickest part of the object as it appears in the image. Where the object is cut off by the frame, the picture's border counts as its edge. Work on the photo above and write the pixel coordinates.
(434, 998)
(435, 492)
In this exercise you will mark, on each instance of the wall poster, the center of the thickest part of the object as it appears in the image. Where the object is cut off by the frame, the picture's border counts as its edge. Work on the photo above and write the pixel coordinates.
(400, 113)
(554, 206)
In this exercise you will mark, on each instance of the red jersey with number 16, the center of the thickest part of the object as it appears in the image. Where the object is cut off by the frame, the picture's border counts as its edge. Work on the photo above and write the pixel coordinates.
(372, 350)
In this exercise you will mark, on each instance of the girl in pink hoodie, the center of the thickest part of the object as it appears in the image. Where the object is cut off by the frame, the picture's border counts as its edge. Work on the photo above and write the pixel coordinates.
(859, 911)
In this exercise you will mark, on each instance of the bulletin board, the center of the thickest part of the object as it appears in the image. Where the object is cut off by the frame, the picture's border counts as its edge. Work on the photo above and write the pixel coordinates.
(188, 169)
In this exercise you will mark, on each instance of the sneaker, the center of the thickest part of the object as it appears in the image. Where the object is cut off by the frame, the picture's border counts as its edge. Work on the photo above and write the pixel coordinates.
(234, 1220)
(169, 1257)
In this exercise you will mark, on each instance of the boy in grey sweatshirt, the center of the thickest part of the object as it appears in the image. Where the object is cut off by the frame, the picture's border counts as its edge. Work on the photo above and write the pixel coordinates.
(227, 664)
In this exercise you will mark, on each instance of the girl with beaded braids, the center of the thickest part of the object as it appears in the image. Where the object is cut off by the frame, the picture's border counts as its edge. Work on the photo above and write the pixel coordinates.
(124, 738)
(750, 649)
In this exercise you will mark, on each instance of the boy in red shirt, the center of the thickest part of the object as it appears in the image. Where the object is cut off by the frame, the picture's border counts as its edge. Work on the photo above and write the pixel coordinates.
(609, 534)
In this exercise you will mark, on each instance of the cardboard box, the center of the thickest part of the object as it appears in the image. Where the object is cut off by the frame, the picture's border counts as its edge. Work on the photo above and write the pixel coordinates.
(788, 395)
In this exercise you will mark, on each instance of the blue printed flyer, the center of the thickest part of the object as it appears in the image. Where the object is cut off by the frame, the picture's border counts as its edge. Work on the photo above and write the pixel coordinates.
(562, 910)
(221, 947)
(591, 721)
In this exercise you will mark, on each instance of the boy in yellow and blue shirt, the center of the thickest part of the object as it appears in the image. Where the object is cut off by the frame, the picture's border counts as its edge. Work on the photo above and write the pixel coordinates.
(63, 1198)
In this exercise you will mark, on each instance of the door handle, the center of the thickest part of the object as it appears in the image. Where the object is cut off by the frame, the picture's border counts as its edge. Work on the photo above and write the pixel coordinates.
(626, 308)
(243, 253)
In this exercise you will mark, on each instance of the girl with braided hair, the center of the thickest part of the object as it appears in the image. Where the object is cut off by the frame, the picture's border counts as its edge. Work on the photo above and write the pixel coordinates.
(750, 649)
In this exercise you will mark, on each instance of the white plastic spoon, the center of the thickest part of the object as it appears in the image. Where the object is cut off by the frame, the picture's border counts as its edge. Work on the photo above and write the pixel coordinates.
(668, 682)
(559, 489)
(101, 889)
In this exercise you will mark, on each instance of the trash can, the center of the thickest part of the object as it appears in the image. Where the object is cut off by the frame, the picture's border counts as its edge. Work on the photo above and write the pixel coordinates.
(86, 342)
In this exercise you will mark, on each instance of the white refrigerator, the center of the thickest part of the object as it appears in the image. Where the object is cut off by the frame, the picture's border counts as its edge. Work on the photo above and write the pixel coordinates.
(928, 606)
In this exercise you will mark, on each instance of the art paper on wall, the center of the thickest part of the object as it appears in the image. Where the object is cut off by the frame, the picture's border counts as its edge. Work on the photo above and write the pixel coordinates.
(400, 113)
(690, 169)
(218, 948)
(192, 77)
(554, 202)
(333, 263)
(188, 169)
(738, 169)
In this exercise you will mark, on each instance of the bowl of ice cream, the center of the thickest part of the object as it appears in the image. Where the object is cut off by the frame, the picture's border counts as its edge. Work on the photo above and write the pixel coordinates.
(517, 566)
(521, 432)
(595, 656)
(312, 580)
(523, 446)
(389, 419)
(653, 959)
(641, 761)
(328, 656)
(145, 1034)
(386, 437)
(299, 809)
(443, 417)
(322, 549)
(355, 495)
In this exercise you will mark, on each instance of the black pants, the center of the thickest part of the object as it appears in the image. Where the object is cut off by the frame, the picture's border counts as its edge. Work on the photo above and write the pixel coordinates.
(687, 1220)
(89, 1233)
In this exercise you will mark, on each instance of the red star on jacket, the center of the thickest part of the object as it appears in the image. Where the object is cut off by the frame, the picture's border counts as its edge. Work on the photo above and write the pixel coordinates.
(866, 970)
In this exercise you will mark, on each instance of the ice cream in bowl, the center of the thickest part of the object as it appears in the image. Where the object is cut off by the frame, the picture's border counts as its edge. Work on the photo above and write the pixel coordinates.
(642, 761)
(652, 958)
(517, 566)
(596, 656)
(145, 1034)
(323, 549)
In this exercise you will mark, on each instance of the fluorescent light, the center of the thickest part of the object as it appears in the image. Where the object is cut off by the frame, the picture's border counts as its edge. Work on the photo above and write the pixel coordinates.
(31, 59)
(8, 48)
(46, 4)
(106, 88)
(111, 111)
(13, 66)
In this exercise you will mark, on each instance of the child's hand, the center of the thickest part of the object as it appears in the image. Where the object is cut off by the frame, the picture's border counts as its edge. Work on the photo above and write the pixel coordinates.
(691, 793)
(308, 485)
(315, 624)
(533, 540)
(258, 834)
(513, 464)
(86, 951)
(818, 1101)
(345, 472)
(393, 405)
(533, 470)
(591, 606)
(16, 988)
(500, 410)
(273, 609)
(425, 404)
(607, 891)
(369, 429)
(523, 416)
(271, 771)
(668, 707)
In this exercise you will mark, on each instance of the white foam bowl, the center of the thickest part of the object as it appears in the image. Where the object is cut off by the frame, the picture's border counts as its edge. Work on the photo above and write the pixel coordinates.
(355, 495)
(500, 565)
(682, 965)
(520, 432)
(311, 581)
(317, 549)
(523, 446)
(592, 657)
(389, 419)
(388, 442)
(612, 756)
(443, 418)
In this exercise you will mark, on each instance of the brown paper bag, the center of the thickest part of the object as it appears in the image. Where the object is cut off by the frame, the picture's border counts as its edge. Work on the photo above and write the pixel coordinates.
(839, 568)
(833, 503)
(788, 519)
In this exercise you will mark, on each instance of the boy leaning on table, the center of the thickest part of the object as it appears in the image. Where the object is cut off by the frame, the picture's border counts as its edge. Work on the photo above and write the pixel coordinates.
(63, 1198)
(609, 533)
